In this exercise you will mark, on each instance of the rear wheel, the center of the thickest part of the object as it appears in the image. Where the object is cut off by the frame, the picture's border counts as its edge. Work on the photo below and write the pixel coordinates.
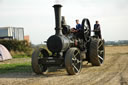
(97, 52)
(36, 66)
(73, 61)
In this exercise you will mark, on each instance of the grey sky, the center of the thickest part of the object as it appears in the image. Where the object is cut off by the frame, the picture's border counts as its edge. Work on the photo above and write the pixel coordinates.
(37, 16)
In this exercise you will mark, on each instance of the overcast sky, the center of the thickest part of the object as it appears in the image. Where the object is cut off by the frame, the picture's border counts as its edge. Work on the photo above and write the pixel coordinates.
(37, 16)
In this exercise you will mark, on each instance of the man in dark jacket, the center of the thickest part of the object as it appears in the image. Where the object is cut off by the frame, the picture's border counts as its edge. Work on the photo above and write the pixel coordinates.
(78, 27)
(97, 30)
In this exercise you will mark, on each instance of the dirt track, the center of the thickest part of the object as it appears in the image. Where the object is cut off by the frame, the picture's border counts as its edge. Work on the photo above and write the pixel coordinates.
(114, 71)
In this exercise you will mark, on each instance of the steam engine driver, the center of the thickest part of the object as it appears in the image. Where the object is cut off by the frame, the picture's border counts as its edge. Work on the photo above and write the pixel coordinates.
(78, 27)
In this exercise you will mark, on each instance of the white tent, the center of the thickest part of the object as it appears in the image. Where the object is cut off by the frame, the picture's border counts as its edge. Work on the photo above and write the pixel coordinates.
(4, 53)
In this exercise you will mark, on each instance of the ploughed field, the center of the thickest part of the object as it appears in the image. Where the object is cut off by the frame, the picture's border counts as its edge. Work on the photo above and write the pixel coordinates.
(114, 71)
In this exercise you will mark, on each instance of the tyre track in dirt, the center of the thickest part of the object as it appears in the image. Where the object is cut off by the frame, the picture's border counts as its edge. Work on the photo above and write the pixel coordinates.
(108, 77)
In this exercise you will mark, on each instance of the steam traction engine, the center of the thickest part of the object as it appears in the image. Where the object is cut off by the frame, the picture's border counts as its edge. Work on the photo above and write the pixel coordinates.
(68, 49)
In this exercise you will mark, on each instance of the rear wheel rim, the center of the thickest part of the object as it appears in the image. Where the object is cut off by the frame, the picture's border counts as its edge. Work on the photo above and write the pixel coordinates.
(101, 51)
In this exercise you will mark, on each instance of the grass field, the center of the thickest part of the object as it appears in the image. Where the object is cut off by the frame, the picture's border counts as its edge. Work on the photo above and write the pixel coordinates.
(16, 65)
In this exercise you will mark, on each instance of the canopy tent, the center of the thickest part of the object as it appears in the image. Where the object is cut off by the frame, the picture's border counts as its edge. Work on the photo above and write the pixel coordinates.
(4, 53)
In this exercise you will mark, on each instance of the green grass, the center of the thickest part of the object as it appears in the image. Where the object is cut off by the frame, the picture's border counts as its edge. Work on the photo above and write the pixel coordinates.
(20, 56)
(16, 68)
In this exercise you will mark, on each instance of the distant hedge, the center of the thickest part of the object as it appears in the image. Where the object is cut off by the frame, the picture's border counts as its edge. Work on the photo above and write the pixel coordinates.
(16, 45)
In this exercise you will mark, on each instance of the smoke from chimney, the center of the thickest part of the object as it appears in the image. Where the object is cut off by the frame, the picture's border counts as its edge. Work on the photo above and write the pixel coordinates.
(58, 1)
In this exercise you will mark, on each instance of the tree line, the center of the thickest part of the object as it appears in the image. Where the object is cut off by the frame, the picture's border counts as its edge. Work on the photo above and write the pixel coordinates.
(119, 42)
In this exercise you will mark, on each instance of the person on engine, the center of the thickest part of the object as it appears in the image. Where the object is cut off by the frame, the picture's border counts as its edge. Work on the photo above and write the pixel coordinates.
(78, 27)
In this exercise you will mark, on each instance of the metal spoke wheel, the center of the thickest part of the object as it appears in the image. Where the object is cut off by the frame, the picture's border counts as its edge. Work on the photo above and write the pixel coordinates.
(36, 56)
(86, 28)
(73, 61)
(97, 52)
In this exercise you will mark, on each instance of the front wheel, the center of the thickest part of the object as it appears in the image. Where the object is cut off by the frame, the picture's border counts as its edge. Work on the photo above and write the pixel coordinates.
(73, 61)
(36, 56)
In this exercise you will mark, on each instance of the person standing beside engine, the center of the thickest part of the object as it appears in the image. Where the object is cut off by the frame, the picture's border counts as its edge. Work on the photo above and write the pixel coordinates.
(97, 30)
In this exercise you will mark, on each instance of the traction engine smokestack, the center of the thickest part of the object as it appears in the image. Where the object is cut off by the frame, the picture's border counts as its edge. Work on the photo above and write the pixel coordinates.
(58, 28)
(58, 43)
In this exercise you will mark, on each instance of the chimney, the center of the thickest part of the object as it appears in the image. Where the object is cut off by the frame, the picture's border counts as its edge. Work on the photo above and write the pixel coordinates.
(58, 28)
